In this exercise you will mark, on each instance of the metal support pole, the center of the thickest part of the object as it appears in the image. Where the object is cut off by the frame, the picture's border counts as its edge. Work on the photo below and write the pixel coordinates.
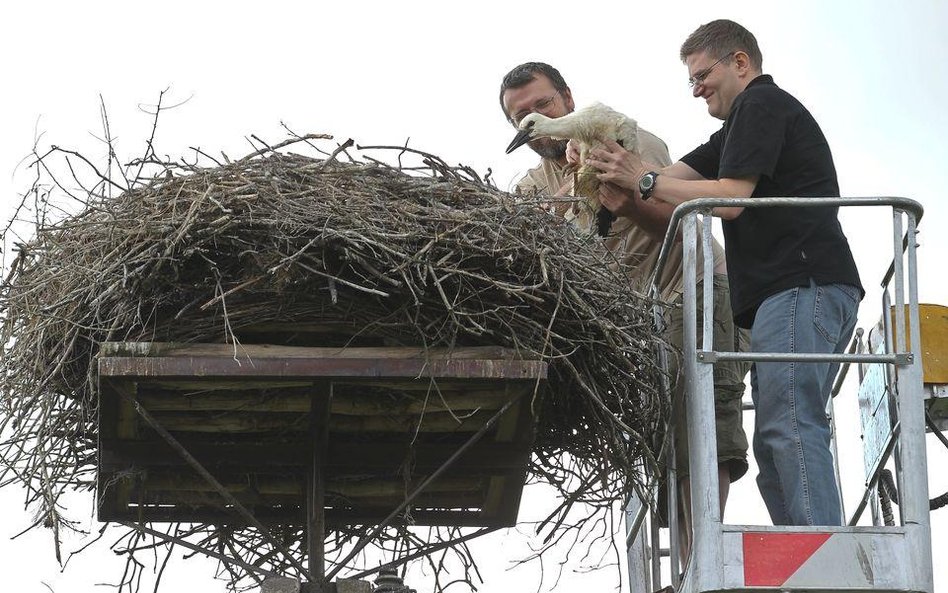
(831, 410)
(712, 357)
(834, 449)
(366, 539)
(874, 502)
(655, 543)
(874, 479)
(898, 289)
(671, 493)
(674, 537)
(914, 492)
(855, 347)
(636, 549)
(891, 372)
(316, 482)
(875, 507)
(707, 292)
(702, 441)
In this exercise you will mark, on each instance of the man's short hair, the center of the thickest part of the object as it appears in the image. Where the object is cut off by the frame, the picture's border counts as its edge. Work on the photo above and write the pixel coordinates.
(720, 38)
(524, 73)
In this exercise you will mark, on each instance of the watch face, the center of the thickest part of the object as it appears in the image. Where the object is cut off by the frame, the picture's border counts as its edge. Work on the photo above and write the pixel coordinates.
(646, 182)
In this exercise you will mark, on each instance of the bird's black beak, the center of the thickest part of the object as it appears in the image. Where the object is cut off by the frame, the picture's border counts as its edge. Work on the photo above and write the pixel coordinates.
(522, 137)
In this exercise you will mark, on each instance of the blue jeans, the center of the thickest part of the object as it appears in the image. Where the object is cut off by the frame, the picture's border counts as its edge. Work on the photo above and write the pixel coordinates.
(792, 433)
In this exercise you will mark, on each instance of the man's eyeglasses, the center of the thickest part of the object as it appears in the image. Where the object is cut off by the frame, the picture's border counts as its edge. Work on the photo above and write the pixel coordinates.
(699, 77)
(539, 107)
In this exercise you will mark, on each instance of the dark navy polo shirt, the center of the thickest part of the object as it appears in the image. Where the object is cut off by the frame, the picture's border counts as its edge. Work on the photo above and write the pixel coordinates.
(770, 134)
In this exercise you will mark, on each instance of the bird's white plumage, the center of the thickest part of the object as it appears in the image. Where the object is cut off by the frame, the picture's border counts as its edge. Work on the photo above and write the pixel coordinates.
(590, 127)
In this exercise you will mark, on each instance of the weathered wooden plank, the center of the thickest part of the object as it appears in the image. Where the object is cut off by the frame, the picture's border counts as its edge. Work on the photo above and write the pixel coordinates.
(299, 367)
(328, 326)
(297, 399)
(294, 399)
(288, 516)
(401, 385)
(256, 423)
(494, 500)
(165, 482)
(255, 351)
(108, 497)
(232, 423)
(503, 498)
(205, 385)
(433, 401)
(342, 459)
(191, 498)
(126, 419)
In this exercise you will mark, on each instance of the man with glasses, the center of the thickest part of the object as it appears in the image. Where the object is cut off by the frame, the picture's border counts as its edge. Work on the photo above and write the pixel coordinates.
(793, 279)
(535, 87)
(636, 240)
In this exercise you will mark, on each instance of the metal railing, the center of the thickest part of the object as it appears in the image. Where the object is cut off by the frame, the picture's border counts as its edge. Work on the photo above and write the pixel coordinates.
(697, 370)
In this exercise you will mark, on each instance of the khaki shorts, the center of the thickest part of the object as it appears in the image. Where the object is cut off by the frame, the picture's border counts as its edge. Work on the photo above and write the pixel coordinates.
(728, 382)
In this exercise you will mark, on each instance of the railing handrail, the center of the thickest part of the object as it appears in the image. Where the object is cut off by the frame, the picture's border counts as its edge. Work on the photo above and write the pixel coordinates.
(900, 359)
(681, 210)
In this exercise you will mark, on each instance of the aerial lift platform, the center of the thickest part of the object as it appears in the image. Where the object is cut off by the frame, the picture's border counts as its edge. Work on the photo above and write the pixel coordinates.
(852, 558)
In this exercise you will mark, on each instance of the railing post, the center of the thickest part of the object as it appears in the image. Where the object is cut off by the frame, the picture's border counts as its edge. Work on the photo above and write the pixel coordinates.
(910, 400)
(702, 446)
(637, 553)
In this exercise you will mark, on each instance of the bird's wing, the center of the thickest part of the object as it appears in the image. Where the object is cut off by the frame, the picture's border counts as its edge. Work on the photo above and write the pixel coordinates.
(604, 120)
(627, 134)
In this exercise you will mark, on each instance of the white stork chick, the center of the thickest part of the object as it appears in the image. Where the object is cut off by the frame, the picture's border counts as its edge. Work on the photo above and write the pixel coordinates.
(590, 127)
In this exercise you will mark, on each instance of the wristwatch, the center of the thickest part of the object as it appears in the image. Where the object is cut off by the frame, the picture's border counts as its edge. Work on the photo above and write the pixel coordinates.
(647, 184)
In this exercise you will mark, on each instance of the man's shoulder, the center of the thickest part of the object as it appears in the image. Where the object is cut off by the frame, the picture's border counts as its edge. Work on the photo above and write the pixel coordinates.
(652, 148)
(650, 137)
(770, 96)
(546, 178)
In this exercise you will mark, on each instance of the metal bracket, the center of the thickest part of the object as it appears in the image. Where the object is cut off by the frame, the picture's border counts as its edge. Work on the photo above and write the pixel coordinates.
(707, 357)
(904, 358)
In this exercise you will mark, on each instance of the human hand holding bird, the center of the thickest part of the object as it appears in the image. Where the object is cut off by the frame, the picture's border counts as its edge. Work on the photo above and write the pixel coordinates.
(617, 165)
(590, 128)
(617, 200)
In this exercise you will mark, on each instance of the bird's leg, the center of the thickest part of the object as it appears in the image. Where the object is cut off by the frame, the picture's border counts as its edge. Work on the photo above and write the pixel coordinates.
(587, 184)
(604, 220)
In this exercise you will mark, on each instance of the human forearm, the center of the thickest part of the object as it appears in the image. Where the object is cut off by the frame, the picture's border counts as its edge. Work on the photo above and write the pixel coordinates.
(652, 216)
(624, 169)
(674, 191)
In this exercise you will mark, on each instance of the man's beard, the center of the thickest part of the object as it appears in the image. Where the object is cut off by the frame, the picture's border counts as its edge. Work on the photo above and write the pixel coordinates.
(549, 148)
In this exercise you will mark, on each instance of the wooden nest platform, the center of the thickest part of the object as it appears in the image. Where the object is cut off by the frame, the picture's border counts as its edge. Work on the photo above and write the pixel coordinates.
(314, 309)
(360, 428)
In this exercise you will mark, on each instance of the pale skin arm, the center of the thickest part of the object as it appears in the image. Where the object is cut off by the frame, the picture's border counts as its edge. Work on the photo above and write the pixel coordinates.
(651, 216)
(677, 184)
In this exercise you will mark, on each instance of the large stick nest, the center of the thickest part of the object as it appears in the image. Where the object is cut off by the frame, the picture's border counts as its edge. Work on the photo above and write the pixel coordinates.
(427, 255)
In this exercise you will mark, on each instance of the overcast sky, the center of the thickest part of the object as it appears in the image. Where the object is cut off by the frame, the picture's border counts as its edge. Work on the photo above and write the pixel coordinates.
(872, 72)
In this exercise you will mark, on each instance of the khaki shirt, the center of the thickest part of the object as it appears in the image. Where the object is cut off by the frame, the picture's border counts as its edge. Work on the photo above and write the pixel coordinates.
(631, 245)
